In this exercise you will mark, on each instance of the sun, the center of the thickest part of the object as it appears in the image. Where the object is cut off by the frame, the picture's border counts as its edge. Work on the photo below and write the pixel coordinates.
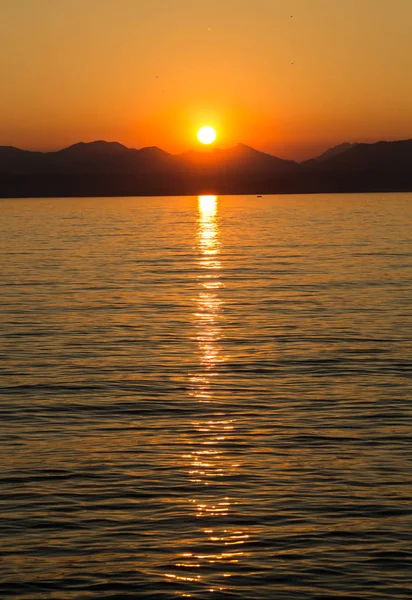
(206, 135)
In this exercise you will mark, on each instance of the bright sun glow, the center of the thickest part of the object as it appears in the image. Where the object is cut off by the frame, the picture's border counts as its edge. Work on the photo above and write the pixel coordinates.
(207, 206)
(206, 135)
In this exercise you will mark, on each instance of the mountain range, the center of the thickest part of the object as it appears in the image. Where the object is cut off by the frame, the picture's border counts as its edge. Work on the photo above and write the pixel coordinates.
(110, 169)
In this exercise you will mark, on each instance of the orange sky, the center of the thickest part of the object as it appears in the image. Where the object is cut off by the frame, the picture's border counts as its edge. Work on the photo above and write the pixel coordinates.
(288, 77)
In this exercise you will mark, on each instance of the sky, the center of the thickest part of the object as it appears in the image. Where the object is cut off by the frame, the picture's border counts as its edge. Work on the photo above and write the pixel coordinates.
(291, 78)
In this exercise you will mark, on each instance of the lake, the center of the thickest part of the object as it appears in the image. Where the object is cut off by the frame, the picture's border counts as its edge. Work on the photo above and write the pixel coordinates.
(206, 397)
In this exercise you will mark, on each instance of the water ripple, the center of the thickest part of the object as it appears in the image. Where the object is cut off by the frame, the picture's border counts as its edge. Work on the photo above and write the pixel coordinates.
(206, 397)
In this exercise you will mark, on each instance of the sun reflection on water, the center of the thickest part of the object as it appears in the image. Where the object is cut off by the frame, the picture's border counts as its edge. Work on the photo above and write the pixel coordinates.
(210, 561)
(209, 304)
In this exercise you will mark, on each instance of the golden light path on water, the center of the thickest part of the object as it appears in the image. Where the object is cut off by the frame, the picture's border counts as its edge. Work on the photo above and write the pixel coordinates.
(210, 464)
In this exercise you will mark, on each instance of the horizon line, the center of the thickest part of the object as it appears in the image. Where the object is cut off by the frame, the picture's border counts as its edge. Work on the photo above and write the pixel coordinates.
(201, 150)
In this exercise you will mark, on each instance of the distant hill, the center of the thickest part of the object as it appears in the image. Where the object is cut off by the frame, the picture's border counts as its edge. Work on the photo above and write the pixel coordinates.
(99, 148)
(331, 152)
(240, 169)
(239, 159)
(13, 160)
(110, 169)
(382, 166)
(388, 156)
(93, 157)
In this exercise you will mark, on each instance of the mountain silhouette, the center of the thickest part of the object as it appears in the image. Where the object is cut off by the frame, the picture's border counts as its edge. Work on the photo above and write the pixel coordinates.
(93, 149)
(382, 166)
(381, 155)
(110, 169)
(240, 157)
(331, 152)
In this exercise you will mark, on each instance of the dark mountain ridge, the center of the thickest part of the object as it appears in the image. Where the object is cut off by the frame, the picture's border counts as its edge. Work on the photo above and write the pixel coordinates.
(330, 152)
(238, 156)
(109, 168)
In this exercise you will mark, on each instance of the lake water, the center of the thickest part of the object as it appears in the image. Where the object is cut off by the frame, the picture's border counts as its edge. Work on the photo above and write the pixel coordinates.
(206, 397)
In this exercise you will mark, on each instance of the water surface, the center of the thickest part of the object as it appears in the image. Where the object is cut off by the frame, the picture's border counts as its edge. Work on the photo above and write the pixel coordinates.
(206, 397)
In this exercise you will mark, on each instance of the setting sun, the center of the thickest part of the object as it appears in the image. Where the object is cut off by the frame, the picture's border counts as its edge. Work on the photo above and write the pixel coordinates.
(206, 135)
